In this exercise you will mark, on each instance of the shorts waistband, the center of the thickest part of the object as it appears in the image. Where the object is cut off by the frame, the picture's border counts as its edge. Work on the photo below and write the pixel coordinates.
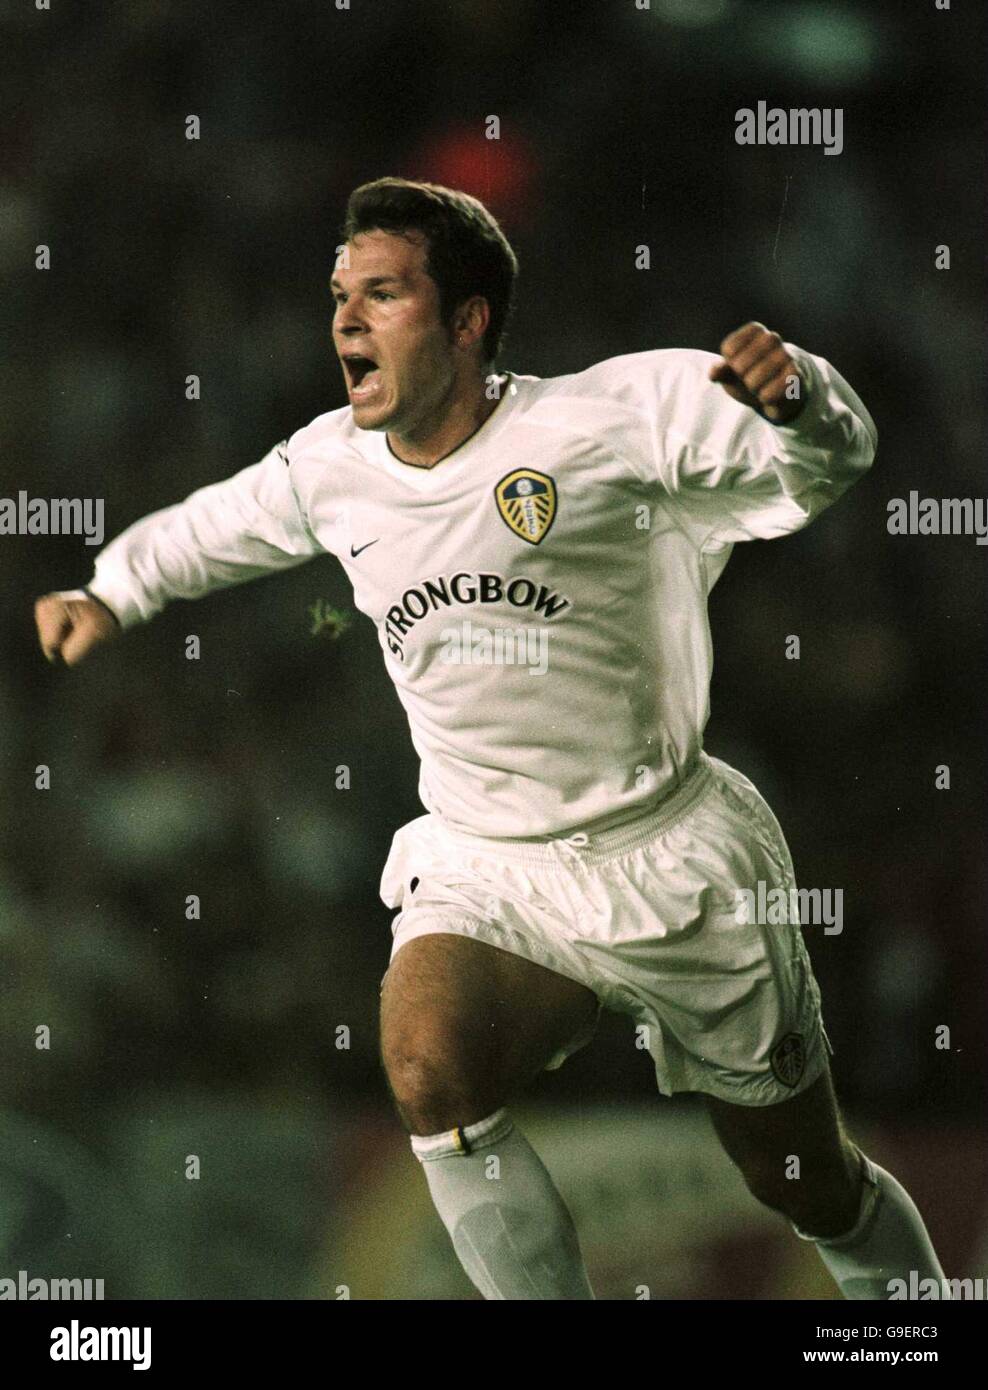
(597, 846)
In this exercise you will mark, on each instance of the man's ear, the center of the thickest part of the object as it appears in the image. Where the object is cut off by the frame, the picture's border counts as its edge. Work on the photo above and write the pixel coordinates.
(472, 316)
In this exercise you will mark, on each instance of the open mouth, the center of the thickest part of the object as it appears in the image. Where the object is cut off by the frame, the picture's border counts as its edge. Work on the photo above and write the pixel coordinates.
(363, 376)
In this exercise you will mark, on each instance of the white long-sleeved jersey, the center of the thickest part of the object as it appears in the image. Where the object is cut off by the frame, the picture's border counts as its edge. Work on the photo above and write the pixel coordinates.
(540, 595)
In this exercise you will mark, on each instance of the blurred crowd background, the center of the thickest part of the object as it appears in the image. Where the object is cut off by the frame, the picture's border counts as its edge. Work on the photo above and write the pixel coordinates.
(248, 1036)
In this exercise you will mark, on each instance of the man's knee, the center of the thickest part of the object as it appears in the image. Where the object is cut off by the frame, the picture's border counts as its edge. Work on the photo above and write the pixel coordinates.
(464, 1025)
(435, 1081)
(820, 1195)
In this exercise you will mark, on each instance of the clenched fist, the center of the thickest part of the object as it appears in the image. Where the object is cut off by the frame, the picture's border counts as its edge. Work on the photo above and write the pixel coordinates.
(757, 371)
(70, 624)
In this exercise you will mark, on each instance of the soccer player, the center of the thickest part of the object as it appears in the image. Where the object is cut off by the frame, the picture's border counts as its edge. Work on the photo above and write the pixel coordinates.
(581, 850)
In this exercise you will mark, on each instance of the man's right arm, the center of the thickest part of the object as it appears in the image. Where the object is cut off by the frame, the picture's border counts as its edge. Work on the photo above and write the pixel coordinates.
(222, 534)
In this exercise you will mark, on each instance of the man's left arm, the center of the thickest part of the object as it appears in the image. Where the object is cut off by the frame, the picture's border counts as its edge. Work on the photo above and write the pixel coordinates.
(756, 443)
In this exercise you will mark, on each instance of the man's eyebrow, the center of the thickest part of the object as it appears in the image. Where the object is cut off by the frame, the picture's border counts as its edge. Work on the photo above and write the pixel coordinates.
(371, 281)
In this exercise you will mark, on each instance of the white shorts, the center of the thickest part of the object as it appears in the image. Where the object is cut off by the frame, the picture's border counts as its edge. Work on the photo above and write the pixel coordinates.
(645, 915)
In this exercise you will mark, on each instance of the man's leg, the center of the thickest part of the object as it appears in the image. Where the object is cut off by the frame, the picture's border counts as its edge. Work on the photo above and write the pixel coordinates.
(866, 1227)
(463, 1027)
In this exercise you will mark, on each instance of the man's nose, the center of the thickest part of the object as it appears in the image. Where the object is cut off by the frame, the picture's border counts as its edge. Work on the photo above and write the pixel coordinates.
(349, 318)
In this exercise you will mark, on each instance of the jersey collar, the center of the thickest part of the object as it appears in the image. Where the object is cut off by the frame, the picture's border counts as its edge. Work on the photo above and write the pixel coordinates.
(435, 477)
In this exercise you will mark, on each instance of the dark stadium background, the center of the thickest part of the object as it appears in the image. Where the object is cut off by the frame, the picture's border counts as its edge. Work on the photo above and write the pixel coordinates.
(221, 1037)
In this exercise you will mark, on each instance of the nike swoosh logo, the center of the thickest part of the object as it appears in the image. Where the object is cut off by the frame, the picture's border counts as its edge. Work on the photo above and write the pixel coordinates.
(357, 550)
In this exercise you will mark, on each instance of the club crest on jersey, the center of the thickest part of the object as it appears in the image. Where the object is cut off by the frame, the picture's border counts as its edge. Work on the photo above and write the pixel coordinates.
(527, 503)
(789, 1059)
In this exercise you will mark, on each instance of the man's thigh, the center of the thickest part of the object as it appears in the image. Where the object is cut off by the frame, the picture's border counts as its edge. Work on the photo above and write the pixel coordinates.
(489, 1019)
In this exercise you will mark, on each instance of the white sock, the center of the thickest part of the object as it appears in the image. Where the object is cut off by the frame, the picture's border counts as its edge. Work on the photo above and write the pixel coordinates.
(509, 1226)
(887, 1241)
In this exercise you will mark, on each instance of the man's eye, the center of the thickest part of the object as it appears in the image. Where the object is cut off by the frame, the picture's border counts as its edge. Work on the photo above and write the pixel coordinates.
(341, 299)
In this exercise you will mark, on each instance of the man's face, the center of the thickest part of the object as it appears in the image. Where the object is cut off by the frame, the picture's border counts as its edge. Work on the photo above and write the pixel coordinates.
(395, 351)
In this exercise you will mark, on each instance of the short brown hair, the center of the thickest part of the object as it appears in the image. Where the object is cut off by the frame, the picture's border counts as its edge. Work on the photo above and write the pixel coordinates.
(467, 251)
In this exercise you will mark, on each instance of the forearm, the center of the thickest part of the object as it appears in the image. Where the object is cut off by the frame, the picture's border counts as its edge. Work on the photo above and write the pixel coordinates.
(738, 474)
(223, 534)
(833, 432)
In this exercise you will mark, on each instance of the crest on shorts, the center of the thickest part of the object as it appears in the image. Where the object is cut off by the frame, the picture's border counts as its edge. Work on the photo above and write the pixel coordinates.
(789, 1059)
(527, 503)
